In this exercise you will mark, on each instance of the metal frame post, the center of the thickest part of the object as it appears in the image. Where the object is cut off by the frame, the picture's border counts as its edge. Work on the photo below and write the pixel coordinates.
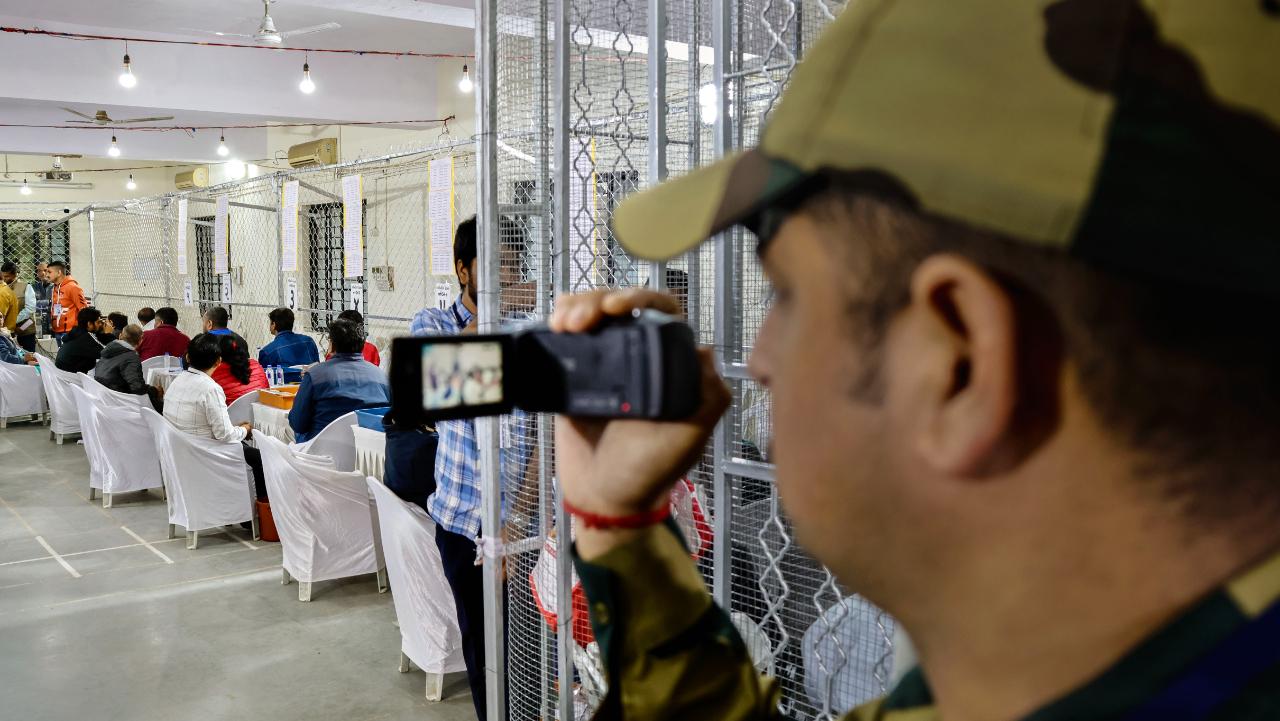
(722, 493)
(93, 257)
(487, 436)
(657, 64)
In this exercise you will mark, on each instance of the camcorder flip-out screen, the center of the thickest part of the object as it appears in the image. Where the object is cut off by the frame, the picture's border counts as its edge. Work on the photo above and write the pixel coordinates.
(645, 366)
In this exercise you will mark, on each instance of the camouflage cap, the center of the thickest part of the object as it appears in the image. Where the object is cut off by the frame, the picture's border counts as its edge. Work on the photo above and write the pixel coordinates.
(1138, 134)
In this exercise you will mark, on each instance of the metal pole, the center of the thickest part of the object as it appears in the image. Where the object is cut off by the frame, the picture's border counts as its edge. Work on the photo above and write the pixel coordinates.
(657, 62)
(722, 493)
(93, 258)
(278, 187)
(694, 118)
(487, 436)
(562, 169)
(542, 241)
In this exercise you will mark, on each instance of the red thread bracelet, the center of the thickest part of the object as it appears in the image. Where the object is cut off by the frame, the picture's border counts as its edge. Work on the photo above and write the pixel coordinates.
(636, 520)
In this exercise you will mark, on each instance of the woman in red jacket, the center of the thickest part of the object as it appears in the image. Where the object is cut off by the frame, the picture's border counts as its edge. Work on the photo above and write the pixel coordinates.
(237, 373)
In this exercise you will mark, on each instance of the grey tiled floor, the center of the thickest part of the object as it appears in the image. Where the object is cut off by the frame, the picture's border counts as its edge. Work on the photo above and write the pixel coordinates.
(119, 629)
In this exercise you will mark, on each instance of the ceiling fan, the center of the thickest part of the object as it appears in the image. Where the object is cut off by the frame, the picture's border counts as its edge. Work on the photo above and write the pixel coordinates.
(267, 33)
(101, 118)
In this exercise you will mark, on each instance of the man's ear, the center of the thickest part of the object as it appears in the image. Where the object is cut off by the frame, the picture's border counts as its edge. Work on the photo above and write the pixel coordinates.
(966, 329)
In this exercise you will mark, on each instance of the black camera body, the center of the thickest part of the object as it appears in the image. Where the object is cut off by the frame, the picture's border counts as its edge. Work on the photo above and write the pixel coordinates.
(643, 367)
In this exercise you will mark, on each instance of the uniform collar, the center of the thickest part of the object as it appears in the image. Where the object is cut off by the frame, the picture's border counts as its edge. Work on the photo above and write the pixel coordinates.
(1142, 672)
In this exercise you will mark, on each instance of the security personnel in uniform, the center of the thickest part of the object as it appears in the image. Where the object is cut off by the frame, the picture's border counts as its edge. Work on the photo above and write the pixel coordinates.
(1025, 380)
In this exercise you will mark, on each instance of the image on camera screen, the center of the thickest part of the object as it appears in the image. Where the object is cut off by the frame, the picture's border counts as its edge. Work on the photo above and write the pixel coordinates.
(461, 374)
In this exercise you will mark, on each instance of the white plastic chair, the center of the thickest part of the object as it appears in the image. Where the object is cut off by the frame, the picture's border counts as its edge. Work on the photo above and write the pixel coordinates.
(160, 361)
(21, 393)
(64, 419)
(208, 483)
(135, 466)
(322, 515)
(91, 422)
(335, 441)
(241, 409)
(428, 618)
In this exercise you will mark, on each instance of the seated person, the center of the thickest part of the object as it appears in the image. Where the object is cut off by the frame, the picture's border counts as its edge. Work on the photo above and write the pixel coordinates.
(82, 347)
(370, 351)
(118, 322)
(287, 348)
(147, 318)
(238, 373)
(120, 368)
(344, 383)
(11, 353)
(195, 404)
(164, 338)
(215, 323)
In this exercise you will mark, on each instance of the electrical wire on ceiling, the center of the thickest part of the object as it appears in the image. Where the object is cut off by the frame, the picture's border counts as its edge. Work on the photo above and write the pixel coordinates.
(193, 128)
(241, 46)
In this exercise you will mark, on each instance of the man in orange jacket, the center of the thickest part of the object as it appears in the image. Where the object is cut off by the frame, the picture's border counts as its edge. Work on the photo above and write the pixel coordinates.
(67, 301)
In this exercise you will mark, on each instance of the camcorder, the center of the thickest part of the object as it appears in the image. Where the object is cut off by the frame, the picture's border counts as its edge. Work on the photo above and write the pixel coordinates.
(643, 367)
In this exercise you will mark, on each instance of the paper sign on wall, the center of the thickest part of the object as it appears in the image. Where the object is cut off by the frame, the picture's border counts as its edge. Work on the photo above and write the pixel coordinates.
(186, 293)
(444, 295)
(440, 215)
(291, 293)
(352, 221)
(182, 236)
(289, 227)
(357, 297)
(220, 236)
(226, 288)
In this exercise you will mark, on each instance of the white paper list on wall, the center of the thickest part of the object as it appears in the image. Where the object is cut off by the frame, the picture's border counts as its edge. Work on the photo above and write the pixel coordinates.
(291, 293)
(186, 293)
(352, 219)
(440, 215)
(289, 227)
(220, 236)
(226, 289)
(182, 236)
(444, 295)
(357, 297)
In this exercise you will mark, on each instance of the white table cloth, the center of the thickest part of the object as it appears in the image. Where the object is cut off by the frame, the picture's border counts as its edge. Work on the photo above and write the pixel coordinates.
(272, 422)
(161, 378)
(371, 451)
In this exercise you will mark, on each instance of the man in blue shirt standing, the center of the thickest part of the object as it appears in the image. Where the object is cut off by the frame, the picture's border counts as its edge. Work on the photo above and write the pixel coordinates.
(288, 348)
(344, 383)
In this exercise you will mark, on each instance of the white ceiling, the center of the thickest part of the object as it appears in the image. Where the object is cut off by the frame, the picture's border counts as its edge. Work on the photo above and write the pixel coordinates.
(212, 86)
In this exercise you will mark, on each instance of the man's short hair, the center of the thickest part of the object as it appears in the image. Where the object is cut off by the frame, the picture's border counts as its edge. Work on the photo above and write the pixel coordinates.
(217, 316)
(167, 315)
(346, 336)
(1175, 373)
(203, 351)
(118, 320)
(131, 334)
(60, 265)
(9, 267)
(464, 243)
(87, 316)
(146, 315)
(283, 318)
(351, 314)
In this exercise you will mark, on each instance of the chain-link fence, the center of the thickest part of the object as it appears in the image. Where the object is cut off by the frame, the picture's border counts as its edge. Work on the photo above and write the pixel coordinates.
(594, 100)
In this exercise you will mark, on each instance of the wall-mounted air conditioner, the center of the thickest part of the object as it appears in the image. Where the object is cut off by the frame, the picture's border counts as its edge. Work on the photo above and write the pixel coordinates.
(317, 152)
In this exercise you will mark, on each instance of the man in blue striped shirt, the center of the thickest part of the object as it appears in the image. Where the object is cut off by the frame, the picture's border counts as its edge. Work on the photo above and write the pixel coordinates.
(455, 504)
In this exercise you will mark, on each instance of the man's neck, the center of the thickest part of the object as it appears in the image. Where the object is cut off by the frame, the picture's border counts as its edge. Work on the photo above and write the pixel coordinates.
(1015, 625)
(467, 302)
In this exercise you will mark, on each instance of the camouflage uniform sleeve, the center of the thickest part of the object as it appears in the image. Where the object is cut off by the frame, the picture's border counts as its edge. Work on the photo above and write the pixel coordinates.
(669, 652)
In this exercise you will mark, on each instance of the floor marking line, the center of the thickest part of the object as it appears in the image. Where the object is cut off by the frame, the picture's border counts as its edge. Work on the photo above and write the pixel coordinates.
(61, 561)
(242, 542)
(17, 515)
(150, 547)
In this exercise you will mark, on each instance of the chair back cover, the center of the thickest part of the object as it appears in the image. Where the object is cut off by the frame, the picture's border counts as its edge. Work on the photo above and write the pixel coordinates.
(241, 409)
(105, 396)
(322, 515)
(63, 416)
(90, 424)
(428, 619)
(135, 463)
(208, 482)
(21, 391)
(159, 362)
(335, 441)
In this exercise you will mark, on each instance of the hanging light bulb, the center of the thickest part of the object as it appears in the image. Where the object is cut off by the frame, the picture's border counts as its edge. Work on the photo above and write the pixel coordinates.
(26, 189)
(126, 77)
(465, 83)
(131, 185)
(114, 150)
(223, 150)
(307, 86)
(708, 108)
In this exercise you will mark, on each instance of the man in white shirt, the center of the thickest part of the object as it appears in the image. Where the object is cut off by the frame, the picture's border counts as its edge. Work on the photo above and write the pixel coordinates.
(196, 404)
(147, 318)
